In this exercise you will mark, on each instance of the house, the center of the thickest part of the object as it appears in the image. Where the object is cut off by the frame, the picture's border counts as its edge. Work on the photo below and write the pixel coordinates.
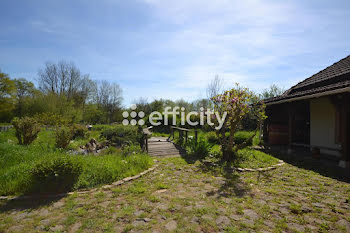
(314, 114)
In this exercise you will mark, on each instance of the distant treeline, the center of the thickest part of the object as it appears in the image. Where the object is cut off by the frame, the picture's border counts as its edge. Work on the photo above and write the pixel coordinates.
(64, 92)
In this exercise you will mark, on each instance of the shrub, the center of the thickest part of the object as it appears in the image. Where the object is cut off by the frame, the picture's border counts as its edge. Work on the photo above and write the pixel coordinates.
(212, 137)
(199, 149)
(63, 136)
(215, 151)
(122, 135)
(242, 136)
(131, 149)
(79, 131)
(58, 174)
(110, 150)
(27, 130)
(51, 119)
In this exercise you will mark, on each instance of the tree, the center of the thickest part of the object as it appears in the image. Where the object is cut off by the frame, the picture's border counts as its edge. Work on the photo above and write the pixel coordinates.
(215, 87)
(109, 98)
(142, 105)
(237, 103)
(7, 96)
(201, 103)
(25, 91)
(64, 79)
(272, 91)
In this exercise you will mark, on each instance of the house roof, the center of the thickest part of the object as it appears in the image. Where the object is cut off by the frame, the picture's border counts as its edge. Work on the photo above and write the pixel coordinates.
(334, 77)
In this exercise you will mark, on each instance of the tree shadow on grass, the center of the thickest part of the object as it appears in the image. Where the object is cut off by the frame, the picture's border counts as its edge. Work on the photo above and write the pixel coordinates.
(231, 183)
(302, 159)
(27, 203)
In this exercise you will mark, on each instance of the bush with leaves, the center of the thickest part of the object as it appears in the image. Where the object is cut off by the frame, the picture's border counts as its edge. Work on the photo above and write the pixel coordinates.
(212, 137)
(200, 149)
(51, 119)
(244, 136)
(63, 136)
(58, 174)
(121, 135)
(215, 151)
(79, 131)
(27, 129)
(131, 149)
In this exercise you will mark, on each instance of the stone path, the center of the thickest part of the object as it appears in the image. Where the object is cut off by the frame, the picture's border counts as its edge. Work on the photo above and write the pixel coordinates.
(160, 146)
(188, 197)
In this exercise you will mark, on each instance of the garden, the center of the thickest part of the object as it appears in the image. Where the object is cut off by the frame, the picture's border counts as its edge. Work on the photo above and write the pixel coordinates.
(42, 160)
(48, 153)
(71, 167)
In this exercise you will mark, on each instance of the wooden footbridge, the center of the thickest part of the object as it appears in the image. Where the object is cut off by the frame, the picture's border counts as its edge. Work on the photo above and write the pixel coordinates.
(164, 147)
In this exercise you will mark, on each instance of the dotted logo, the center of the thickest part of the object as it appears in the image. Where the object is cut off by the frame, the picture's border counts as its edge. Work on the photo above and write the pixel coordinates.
(133, 115)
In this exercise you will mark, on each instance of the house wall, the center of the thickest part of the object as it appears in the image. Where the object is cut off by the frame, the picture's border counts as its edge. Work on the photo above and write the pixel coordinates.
(322, 125)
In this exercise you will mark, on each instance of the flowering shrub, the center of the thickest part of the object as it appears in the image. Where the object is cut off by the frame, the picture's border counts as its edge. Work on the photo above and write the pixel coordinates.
(236, 103)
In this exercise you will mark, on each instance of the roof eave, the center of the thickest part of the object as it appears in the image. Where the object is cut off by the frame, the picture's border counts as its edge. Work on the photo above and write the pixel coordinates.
(316, 95)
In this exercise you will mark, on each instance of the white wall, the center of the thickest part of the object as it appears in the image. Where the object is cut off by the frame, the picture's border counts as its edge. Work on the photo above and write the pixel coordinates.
(322, 125)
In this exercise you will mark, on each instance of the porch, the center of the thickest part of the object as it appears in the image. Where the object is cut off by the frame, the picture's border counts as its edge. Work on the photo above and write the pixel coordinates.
(319, 126)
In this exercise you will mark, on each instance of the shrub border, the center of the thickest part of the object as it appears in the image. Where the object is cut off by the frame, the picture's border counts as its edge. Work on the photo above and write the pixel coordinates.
(104, 187)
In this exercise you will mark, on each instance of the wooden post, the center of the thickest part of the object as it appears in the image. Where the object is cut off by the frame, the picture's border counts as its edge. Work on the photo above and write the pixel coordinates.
(181, 138)
(146, 142)
(196, 136)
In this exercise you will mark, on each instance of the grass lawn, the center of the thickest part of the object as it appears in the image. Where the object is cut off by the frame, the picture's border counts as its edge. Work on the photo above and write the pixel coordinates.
(249, 158)
(181, 196)
(16, 163)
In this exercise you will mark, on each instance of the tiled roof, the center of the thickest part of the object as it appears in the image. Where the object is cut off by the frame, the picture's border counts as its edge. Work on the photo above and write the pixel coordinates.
(334, 77)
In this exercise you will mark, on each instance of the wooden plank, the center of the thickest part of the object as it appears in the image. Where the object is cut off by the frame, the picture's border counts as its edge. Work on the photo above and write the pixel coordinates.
(160, 146)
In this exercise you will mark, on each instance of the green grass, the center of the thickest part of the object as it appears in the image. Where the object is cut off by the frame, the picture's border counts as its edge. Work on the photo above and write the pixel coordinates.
(16, 162)
(249, 158)
(157, 134)
(46, 138)
(195, 199)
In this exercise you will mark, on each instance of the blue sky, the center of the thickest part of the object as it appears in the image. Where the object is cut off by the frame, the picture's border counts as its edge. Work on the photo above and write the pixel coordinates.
(172, 49)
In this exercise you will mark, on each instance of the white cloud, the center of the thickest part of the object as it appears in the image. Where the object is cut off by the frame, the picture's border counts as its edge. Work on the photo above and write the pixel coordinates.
(241, 41)
(227, 38)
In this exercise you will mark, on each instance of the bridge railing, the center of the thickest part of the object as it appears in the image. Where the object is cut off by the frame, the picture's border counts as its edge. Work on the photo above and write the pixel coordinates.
(183, 133)
(146, 133)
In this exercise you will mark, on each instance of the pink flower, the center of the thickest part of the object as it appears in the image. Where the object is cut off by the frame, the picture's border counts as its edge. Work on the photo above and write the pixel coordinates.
(234, 100)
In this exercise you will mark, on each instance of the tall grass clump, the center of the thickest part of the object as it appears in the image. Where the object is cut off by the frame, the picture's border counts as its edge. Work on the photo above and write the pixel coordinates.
(199, 149)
